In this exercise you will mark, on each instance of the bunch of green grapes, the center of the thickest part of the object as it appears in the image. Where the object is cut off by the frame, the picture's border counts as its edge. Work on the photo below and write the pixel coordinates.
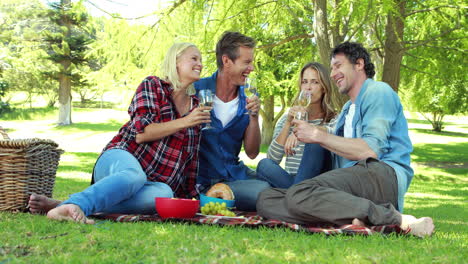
(212, 208)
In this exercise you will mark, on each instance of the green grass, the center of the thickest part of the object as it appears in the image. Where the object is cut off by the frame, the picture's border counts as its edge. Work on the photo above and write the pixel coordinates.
(111, 126)
(439, 189)
(441, 152)
(30, 113)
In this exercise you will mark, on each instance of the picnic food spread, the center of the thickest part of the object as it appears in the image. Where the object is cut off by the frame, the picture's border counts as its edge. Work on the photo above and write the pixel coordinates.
(220, 190)
(216, 209)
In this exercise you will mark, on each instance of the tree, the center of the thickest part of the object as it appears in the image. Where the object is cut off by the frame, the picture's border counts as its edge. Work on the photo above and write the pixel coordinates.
(20, 22)
(3, 84)
(434, 74)
(67, 45)
(283, 44)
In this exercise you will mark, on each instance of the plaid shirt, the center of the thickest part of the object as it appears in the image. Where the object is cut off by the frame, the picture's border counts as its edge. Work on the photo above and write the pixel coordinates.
(172, 159)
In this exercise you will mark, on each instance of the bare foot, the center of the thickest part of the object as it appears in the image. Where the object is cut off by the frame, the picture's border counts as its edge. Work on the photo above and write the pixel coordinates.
(40, 204)
(419, 227)
(358, 222)
(69, 212)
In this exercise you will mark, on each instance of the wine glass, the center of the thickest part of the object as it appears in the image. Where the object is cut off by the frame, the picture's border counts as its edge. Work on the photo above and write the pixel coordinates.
(206, 99)
(250, 90)
(301, 115)
(304, 98)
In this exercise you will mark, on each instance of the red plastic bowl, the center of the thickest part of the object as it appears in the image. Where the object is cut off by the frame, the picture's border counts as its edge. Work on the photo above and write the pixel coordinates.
(176, 208)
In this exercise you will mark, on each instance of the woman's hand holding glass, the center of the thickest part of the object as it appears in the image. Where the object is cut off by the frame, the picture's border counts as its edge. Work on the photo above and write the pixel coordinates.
(205, 97)
(293, 112)
(198, 116)
(299, 109)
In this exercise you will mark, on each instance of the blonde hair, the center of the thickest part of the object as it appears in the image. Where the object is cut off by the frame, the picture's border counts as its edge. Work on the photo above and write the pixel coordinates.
(326, 102)
(169, 67)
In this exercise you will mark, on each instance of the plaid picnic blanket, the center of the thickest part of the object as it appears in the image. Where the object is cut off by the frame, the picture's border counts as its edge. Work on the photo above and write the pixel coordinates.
(248, 219)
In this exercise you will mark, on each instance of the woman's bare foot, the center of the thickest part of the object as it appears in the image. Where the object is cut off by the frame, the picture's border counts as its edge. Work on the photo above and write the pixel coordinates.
(69, 212)
(358, 222)
(419, 227)
(40, 204)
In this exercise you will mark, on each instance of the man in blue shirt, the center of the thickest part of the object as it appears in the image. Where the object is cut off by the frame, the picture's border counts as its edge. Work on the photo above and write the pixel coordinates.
(231, 126)
(371, 155)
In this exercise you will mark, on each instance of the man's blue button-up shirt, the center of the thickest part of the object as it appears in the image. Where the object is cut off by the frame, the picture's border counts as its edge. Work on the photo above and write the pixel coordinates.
(379, 120)
(220, 146)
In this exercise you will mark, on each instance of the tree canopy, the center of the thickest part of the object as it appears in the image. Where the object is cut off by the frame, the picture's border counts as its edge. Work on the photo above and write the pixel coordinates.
(418, 47)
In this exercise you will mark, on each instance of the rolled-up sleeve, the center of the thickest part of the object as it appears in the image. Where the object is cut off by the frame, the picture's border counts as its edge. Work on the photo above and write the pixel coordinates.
(144, 108)
(380, 108)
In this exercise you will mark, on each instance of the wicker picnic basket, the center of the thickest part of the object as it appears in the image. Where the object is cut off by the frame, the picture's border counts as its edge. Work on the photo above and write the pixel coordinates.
(26, 166)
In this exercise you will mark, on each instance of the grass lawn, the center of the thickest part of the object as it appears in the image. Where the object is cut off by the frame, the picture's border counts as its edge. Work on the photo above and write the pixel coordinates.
(439, 189)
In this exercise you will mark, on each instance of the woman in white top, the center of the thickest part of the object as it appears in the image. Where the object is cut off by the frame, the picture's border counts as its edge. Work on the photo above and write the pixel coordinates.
(315, 79)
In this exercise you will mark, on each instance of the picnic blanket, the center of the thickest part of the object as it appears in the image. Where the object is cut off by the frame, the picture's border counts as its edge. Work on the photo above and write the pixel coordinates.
(249, 219)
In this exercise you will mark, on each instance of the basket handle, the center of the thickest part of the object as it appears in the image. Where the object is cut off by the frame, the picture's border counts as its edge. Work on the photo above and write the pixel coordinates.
(3, 133)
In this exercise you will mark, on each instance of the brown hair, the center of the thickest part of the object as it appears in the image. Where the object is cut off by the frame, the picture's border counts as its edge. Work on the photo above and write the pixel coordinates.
(324, 80)
(229, 44)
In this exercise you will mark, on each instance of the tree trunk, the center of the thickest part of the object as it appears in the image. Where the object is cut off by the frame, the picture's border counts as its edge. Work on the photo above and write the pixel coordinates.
(321, 31)
(64, 100)
(64, 77)
(437, 121)
(323, 42)
(394, 49)
(268, 119)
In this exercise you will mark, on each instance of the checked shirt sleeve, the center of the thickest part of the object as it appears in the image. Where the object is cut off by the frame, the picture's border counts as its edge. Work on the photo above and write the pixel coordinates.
(145, 108)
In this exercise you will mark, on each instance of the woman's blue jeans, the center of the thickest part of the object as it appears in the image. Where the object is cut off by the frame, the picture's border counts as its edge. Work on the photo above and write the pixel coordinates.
(120, 186)
(315, 161)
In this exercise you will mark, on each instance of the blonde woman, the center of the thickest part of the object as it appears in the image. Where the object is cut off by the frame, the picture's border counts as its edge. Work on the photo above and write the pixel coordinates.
(314, 79)
(155, 154)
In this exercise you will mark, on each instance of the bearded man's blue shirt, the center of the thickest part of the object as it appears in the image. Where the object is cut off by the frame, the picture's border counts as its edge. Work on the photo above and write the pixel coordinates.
(379, 120)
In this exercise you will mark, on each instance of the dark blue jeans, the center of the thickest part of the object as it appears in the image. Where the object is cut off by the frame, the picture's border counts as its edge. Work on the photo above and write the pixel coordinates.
(315, 161)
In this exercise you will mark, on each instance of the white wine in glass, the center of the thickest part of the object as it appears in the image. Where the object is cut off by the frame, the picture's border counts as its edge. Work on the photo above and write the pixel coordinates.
(250, 89)
(303, 99)
(206, 99)
(301, 115)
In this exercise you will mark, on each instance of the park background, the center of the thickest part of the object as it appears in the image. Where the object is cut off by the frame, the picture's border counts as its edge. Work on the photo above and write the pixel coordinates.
(68, 72)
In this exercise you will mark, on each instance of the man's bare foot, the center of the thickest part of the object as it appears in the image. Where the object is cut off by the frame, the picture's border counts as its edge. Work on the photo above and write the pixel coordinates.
(358, 222)
(41, 204)
(69, 212)
(419, 227)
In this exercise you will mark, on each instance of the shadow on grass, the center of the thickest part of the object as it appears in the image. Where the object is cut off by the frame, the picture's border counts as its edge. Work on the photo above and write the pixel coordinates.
(111, 126)
(29, 113)
(78, 162)
(450, 152)
(66, 186)
(453, 175)
(94, 104)
(443, 133)
(418, 121)
(425, 122)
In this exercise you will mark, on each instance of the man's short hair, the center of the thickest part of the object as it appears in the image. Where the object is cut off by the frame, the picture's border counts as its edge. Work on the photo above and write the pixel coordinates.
(354, 51)
(229, 44)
